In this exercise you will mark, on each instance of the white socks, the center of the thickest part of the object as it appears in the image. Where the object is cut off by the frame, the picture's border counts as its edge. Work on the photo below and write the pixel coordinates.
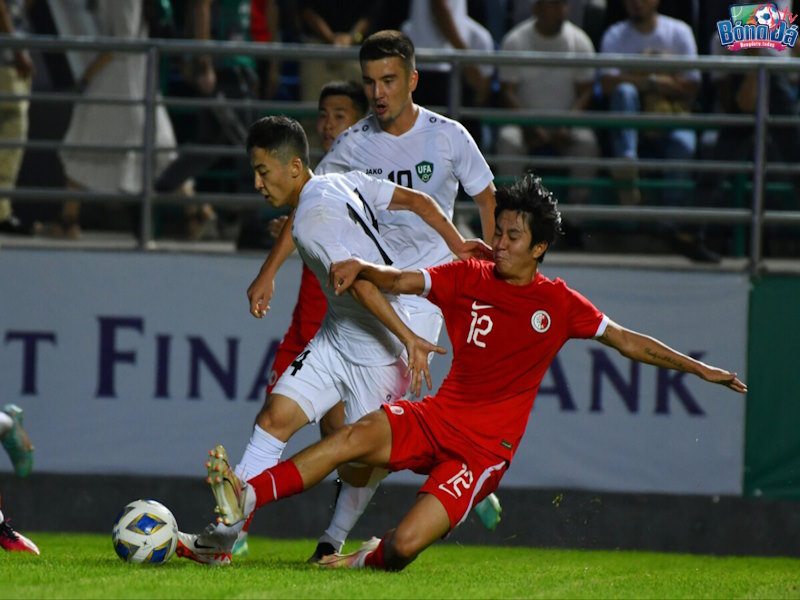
(263, 451)
(349, 507)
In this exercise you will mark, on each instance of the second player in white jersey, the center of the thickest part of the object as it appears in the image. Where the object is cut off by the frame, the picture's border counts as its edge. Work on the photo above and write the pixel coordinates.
(334, 219)
(434, 156)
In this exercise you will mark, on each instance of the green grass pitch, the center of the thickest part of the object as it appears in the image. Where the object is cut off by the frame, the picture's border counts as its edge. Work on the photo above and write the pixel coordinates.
(85, 566)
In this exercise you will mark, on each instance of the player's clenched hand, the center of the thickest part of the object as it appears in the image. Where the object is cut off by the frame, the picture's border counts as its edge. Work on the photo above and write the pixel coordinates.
(343, 274)
(474, 248)
(418, 350)
(260, 293)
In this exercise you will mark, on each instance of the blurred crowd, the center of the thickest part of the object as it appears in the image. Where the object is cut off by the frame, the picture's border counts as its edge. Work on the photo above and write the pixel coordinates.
(632, 27)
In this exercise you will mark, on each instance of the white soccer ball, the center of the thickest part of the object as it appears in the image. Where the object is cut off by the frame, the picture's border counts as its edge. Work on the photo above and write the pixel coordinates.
(767, 15)
(145, 532)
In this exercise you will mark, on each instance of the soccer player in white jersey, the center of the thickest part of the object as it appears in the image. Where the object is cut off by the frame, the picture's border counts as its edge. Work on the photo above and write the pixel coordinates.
(353, 358)
(416, 148)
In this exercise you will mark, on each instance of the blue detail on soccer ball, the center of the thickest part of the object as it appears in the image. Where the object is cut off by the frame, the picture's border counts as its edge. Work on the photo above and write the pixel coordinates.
(122, 513)
(146, 524)
(124, 549)
(159, 554)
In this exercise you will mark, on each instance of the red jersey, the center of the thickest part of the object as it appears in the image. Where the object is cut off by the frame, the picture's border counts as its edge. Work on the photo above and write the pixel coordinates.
(309, 311)
(504, 338)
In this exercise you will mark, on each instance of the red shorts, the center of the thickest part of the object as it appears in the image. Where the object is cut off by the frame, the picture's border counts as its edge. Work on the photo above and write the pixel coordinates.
(460, 474)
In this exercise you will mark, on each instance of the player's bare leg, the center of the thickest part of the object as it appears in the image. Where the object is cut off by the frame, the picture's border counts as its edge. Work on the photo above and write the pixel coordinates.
(355, 487)
(426, 522)
(277, 421)
(333, 420)
(281, 417)
(367, 441)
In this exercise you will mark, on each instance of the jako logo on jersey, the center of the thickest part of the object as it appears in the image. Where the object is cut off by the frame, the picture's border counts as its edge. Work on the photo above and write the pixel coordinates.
(425, 170)
(398, 410)
(758, 26)
(540, 321)
(374, 171)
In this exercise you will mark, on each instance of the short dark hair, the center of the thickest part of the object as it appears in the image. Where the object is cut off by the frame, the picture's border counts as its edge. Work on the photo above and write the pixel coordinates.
(351, 89)
(386, 44)
(537, 205)
(280, 134)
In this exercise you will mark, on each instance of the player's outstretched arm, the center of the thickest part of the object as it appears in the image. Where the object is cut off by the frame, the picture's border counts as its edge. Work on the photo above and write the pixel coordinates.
(418, 348)
(430, 212)
(387, 279)
(262, 288)
(486, 203)
(646, 349)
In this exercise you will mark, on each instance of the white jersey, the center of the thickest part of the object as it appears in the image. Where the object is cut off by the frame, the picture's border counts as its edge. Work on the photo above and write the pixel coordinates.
(433, 157)
(334, 220)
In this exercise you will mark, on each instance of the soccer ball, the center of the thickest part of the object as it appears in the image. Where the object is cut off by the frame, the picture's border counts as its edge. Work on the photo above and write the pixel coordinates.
(767, 15)
(145, 532)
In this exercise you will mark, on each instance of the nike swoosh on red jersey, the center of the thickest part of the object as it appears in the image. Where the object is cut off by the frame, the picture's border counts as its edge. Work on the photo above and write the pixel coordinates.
(476, 306)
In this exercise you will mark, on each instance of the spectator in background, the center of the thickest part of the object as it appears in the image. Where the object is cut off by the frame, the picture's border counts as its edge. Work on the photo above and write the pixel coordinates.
(16, 75)
(589, 15)
(338, 24)
(548, 30)
(264, 28)
(737, 93)
(226, 77)
(446, 25)
(648, 32)
(120, 75)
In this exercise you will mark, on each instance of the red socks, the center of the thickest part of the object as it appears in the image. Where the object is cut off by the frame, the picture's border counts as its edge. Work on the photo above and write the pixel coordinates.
(374, 560)
(277, 482)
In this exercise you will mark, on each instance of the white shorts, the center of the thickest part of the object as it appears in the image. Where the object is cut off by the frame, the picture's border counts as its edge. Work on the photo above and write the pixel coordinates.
(320, 377)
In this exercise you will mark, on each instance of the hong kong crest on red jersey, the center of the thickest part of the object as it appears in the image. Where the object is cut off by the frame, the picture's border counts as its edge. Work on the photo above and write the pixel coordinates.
(540, 321)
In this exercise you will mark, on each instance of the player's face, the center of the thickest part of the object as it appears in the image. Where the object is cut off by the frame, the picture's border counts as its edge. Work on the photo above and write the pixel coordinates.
(336, 113)
(388, 87)
(515, 260)
(273, 177)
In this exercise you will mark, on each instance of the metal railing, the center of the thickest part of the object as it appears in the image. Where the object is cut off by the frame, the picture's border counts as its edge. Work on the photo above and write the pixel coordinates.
(755, 216)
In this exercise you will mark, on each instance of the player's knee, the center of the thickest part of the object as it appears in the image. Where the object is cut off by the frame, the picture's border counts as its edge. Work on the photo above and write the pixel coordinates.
(280, 417)
(346, 438)
(327, 425)
(349, 442)
(403, 547)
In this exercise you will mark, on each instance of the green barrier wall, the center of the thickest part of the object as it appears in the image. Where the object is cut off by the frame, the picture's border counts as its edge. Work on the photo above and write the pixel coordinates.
(772, 453)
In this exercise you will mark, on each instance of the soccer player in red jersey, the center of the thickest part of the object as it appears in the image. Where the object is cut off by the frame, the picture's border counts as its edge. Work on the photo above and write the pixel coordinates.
(506, 322)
